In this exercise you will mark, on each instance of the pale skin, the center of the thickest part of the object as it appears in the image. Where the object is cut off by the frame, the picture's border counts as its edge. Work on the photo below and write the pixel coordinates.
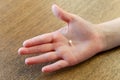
(72, 44)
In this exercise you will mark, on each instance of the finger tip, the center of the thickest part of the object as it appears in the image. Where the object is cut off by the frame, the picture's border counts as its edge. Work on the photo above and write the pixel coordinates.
(54, 9)
(19, 51)
(60, 13)
(29, 61)
(26, 61)
(54, 5)
(45, 70)
(22, 51)
(24, 44)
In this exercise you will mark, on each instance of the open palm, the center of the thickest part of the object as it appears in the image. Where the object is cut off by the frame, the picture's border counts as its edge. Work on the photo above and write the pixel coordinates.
(86, 41)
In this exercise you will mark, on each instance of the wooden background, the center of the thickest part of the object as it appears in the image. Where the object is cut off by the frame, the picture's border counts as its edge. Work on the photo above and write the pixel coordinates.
(23, 19)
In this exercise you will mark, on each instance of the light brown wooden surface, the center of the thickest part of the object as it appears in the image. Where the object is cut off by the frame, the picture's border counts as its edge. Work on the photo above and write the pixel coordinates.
(23, 19)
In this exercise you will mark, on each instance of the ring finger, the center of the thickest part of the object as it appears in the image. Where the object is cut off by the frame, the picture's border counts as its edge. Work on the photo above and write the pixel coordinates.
(46, 57)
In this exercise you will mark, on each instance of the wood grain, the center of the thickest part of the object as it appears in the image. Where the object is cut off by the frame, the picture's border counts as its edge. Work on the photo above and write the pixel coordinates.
(23, 19)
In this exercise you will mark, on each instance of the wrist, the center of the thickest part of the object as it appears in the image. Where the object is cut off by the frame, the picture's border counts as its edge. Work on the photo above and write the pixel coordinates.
(110, 36)
(100, 38)
(103, 37)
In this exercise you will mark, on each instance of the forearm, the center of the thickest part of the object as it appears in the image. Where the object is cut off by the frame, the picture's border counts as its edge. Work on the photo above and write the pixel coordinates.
(111, 32)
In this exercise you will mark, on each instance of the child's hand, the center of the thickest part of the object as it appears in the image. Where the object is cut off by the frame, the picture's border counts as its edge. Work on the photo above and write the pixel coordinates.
(86, 42)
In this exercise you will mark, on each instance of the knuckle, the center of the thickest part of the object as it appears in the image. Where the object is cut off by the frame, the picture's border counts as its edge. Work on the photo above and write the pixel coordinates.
(60, 65)
(51, 57)
(47, 58)
(61, 52)
(72, 61)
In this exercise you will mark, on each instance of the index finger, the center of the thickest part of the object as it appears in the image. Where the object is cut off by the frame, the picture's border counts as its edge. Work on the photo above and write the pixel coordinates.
(41, 39)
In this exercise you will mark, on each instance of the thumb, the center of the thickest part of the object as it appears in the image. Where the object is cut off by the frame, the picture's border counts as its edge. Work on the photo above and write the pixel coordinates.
(61, 14)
